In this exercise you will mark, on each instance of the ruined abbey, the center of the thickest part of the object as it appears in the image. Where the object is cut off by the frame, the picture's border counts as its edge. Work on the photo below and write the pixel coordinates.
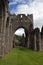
(10, 23)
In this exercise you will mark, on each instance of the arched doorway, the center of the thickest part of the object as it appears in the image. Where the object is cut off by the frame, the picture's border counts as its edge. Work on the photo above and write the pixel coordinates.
(19, 37)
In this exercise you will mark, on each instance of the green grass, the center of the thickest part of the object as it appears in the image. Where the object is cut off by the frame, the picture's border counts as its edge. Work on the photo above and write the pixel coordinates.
(22, 56)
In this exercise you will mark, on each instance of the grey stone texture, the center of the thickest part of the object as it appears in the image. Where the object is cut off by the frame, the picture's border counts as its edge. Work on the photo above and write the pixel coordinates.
(10, 23)
(42, 38)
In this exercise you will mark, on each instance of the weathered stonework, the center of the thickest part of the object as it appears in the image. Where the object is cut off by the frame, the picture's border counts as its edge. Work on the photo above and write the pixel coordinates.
(10, 23)
(37, 39)
(24, 22)
(42, 38)
(3, 19)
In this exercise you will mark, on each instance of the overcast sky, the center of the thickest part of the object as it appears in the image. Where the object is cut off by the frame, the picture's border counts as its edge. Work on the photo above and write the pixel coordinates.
(34, 7)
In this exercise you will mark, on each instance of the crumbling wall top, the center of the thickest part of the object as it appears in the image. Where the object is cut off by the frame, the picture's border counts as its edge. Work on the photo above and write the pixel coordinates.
(36, 31)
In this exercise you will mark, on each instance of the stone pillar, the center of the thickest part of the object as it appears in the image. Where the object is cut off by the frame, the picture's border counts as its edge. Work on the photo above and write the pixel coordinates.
(37, 39)
(2, 29)
(10, 34)
(14, 41)
(28, 43)
(10, 37)
(27, 39)
(23, 40)
(35, 48)
(42, 38)
(4, 26)
(7, 37)
(40, 41)
(1, 21)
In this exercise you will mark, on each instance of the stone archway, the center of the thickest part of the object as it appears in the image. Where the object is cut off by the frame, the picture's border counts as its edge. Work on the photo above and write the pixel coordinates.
(23, 21)
(21, 36)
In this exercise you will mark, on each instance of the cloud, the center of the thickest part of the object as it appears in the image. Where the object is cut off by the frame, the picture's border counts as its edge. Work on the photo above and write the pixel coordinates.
(22, 9)
(18, 32)
(37, 10)
(34, 7)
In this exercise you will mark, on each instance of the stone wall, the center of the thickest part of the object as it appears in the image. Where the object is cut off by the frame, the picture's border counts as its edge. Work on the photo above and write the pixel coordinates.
(8, 37)
(37, 44)
(42, 38)
(3, 18)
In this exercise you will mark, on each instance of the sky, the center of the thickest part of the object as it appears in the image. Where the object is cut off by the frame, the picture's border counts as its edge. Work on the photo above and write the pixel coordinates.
(20, 32)
(34, 7)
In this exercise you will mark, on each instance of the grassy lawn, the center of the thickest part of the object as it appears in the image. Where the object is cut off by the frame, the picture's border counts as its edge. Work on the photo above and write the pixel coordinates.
(22, 56)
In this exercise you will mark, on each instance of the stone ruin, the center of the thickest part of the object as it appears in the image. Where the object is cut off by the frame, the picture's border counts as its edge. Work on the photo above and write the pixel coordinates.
(10, 23)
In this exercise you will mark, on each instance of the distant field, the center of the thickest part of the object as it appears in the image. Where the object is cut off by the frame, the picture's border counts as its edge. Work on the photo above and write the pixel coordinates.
(22, 56)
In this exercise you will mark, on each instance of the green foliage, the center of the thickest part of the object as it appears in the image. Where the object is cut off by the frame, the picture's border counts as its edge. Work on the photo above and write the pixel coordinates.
(18, 39)
(22, 56)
